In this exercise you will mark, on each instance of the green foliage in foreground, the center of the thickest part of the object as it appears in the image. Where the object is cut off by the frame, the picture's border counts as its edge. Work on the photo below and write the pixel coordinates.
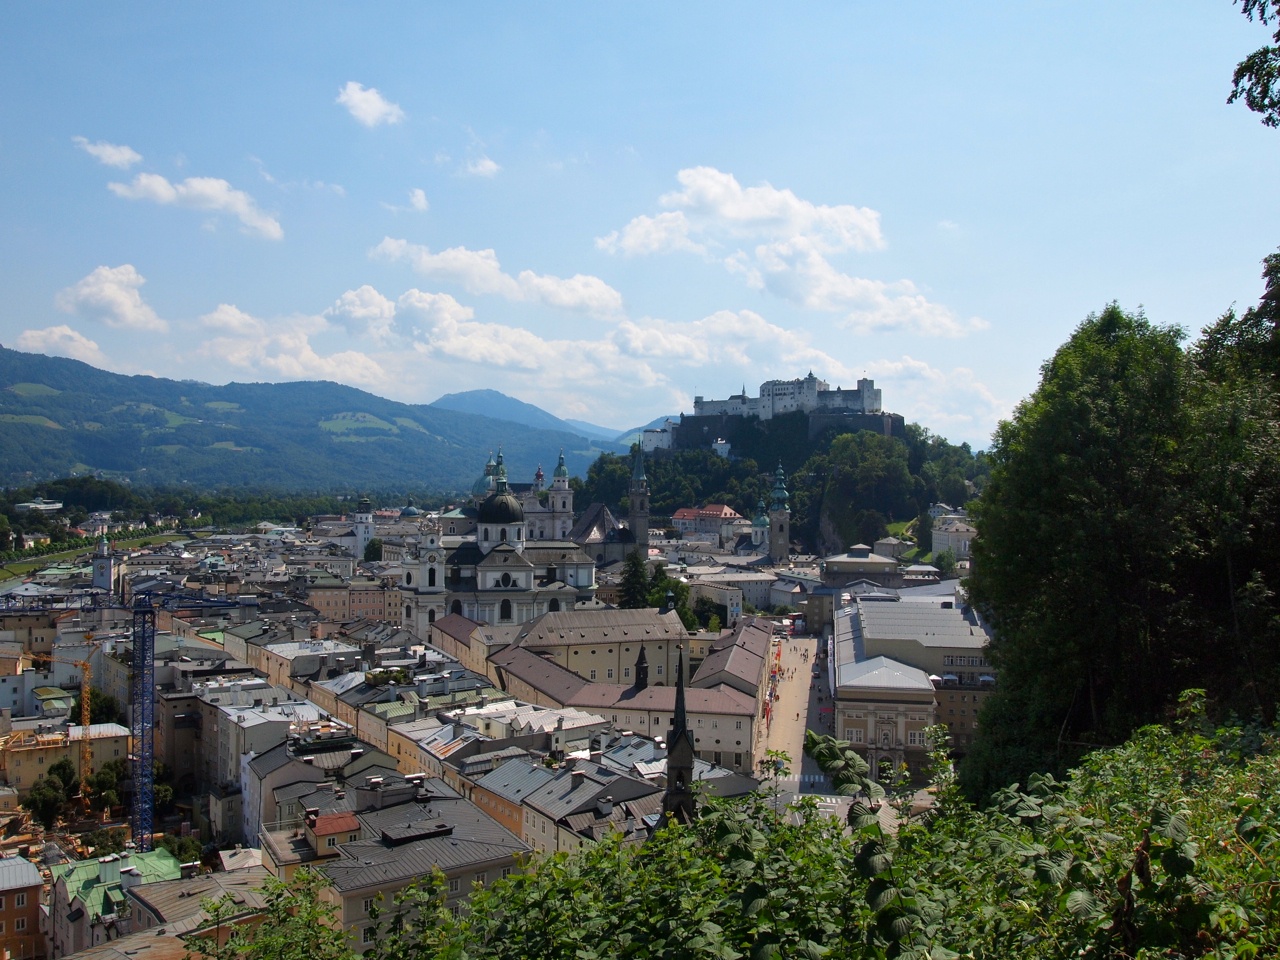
(1163, 847)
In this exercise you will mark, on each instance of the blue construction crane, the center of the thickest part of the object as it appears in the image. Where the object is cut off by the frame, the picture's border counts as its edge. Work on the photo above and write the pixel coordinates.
(142, 696)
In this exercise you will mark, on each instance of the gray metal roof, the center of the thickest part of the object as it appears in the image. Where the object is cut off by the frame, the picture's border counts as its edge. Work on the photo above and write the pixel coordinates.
(928, 623)
(453, 835)
(17, 873)
(885, 674)
(515, 779)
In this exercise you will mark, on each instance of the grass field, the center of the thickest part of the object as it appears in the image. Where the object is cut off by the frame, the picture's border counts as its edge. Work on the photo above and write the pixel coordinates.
(24, 568)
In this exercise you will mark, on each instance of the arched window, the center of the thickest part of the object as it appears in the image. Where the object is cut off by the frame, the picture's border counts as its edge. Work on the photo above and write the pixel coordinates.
(456, 608)
(408, 579)
(504, 612)
(553, 606)
(408, 612)
(431, 582)
(504, 534)
(484, 535)
(431, 618)
(564, 504)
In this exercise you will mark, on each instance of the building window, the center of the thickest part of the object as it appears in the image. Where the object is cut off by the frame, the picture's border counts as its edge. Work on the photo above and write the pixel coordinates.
(609, 674)
(506, 872)
(367, 906)
(737, 760)
(737, 724)
(659, 669)
(915, 738)
(351, 837)
(19, 900)
(593, 675)
(454, 886)
(20, 924)
(699, 721)
(505, 611)
(480, 878)
(857, 735)
(368, 935)
(331, 841)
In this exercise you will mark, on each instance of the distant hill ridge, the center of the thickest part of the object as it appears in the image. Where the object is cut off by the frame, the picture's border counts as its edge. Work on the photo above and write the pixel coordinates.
(59, 416)
(499, 406)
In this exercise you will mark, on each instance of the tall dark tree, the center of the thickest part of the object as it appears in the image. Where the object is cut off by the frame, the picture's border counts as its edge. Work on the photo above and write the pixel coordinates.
(634, 586)
(1082, 521)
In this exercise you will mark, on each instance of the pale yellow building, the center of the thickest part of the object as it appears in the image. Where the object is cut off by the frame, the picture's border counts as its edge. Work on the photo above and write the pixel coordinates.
(27, 756)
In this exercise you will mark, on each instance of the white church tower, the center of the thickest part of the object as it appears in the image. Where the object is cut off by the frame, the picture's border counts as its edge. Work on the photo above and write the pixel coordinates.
(362, 526)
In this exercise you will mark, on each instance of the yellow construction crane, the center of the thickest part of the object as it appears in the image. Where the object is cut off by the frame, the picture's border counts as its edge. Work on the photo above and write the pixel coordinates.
(86, 746)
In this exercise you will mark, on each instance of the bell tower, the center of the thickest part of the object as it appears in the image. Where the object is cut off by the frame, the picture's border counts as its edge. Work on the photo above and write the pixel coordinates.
(779, 519)
(638, 497)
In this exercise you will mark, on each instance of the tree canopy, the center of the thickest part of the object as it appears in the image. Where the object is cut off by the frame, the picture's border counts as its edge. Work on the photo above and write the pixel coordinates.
(1257, 76)
(1128, 530)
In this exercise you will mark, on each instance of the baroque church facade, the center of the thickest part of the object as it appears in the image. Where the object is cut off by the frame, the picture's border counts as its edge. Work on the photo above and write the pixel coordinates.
(518, 563)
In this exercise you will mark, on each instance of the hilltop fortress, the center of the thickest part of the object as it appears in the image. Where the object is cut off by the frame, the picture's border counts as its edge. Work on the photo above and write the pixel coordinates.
(719, 424)
(790, 396)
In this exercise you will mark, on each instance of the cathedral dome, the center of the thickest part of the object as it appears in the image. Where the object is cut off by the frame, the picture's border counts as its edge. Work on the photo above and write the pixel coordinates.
(501, 508)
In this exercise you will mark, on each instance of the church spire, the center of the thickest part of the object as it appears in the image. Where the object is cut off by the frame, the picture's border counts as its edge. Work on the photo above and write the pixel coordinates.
(637, 465)
(642, 670)
(677, 802)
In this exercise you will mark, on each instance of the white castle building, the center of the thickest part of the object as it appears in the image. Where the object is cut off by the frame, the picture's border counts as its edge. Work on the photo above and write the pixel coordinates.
(809, 395)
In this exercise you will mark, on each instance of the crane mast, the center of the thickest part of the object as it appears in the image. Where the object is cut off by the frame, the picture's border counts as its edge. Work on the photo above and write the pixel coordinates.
(86, 745)
(142, 819)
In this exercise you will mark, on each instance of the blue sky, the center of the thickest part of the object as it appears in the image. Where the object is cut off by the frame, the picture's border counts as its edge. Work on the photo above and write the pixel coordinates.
(605, 209)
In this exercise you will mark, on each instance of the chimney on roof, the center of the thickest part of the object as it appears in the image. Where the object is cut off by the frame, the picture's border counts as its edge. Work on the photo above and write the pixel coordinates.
(604, 806)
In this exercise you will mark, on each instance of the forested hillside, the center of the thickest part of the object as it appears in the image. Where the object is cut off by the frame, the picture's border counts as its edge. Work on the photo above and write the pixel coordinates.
(844, 488)
(60, 416)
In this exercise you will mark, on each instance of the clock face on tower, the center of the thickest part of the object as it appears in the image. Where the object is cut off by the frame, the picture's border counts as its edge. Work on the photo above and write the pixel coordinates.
(431, 559)
(102, 568)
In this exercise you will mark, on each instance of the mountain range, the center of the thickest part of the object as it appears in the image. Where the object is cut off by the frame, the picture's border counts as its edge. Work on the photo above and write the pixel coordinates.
(61, 416)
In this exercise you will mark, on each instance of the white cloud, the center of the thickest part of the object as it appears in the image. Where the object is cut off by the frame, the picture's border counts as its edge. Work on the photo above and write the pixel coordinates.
(364, 313)
(949, 402)
(201, 193)
(741, 338)
(479, 272)
(797, 271)
(418, 199)
(229, 319)
(783, 244)
(368, 106)
(661, 234)
(482, 167)
(318, 185)
(109, 154)
(720, 203)
(282, 349)
(445, 329)
(111, 294)
(62, 341)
